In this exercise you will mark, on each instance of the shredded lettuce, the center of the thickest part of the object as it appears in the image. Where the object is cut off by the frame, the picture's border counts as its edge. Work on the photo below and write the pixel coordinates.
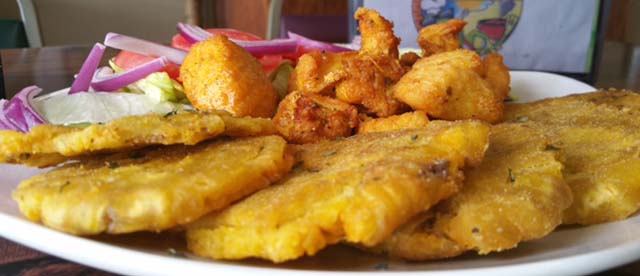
(60, 108)
(280, 78)
(158, 86)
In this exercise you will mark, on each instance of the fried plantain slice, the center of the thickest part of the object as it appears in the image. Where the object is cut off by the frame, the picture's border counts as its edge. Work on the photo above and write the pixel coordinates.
(516, 194)
(599, 136)
(357, 189)
(48, 145)
(625, 100)
(415, 119)
(152, 189)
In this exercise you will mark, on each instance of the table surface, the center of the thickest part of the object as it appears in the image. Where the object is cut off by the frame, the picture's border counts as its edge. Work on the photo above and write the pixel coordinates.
(52, 68)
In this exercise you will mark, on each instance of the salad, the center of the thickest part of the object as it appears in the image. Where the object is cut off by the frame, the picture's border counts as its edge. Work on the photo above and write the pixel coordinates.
(144, 77)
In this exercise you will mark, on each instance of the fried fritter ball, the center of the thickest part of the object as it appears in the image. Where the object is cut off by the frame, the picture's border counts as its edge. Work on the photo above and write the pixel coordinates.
(440, 37)
(152, 189)
(598, 133)
(455, 85)
(357, 189)
(367, 84)
(516, 194)
(309, 118)
(377, 34)
(217, 74)
(408, 120)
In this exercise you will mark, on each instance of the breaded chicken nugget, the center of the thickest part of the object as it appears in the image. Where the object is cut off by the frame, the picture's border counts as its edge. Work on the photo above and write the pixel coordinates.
(453, 86)
(357, 189)
(309, 118)
(377, 34)
(48, 145)
(516, 194)
(217, 74)
(367, 84)
(362, 78)
(601, 144)
(409, 120)
(497, 75)
(408, 59)
(440, 37)
(317, 72)
(152, 189)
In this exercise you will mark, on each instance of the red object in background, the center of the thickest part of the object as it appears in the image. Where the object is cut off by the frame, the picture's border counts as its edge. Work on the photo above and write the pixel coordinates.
(493, 28)
(128, 60)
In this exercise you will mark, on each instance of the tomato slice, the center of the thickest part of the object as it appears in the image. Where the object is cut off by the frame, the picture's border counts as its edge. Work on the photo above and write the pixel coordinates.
(178, 41)
(128, 60)
(301, 50)
(270, 62)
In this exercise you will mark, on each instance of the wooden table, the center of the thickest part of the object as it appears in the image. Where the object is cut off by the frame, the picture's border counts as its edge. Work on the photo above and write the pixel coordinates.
(52, 69)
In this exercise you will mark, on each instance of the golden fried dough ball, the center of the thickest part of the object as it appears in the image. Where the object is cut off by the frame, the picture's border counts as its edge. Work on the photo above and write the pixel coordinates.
(308, 118)
(218, 74)
(452, 86)
(317, 72)
(377, 34)
(416, 119)
(368, 81)
(441, 37)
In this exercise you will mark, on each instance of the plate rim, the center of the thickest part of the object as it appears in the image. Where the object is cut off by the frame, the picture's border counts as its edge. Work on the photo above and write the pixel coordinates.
(13, 228)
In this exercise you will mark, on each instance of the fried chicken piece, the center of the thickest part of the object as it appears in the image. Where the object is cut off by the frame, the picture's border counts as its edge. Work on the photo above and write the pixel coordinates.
(497, 75)
(377, 34)
(409, 120)
(48, 145)
(152, 189)
(217, 74)
(362, 78)
(317, 72)
(455, 85)
(440, 37)
(408, 59)
(599, 135)
(367, 84)
(309, 118)
(516, 194)
(358, 189)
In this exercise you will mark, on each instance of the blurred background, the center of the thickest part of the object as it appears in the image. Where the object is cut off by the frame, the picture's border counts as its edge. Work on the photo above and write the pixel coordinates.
(46, 23)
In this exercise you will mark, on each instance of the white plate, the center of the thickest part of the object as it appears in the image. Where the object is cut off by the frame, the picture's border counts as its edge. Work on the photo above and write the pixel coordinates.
(568, 251)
